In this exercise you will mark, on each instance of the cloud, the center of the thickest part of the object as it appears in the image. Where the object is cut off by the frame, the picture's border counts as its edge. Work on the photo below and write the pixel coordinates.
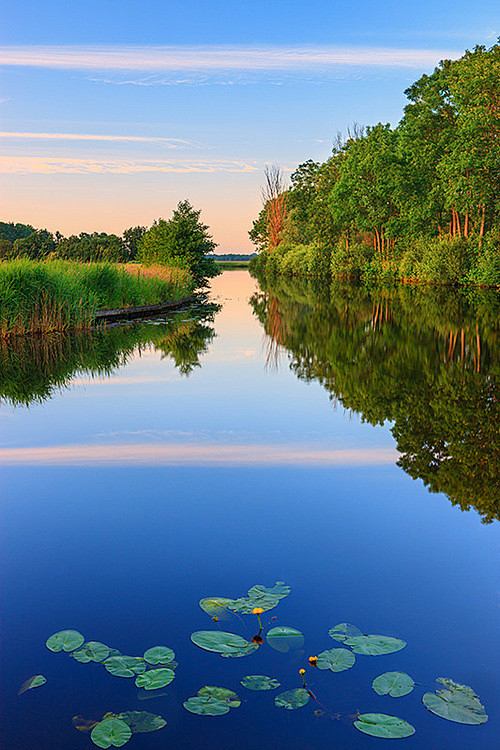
(64, 165)
(168, 142)
(220, 58)
(165, 454)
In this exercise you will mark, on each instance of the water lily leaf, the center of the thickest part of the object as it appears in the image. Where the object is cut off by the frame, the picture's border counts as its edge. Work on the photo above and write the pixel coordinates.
(221, 694)
(457, 703)
(91, 651)
(243, 651)
(395, 684)
(259, 682)
(260, 596)
(125, 666)
(33, 682)
(65, 640)
(291, 699)
(374, 645)
(155, 678)
(159, 655)
(111, 732)
(216, 606)
(218, 641)
(336, 659)
(382, 725)
(142, 721)
(205, 705)
(344, 630)
(285, 639)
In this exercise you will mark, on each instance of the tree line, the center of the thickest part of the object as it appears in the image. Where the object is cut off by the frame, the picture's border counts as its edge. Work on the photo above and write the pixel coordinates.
(181, 241)
(420, 201)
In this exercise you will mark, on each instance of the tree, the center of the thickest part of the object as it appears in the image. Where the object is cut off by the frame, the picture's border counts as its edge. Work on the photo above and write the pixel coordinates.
(37, 246)
(182, 241)
(131, 239)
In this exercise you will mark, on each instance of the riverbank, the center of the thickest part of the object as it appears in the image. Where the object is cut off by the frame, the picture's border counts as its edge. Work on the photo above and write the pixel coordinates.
(39, 297)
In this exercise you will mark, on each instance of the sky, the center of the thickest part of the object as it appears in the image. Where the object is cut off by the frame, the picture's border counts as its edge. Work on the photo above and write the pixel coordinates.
(111, 113)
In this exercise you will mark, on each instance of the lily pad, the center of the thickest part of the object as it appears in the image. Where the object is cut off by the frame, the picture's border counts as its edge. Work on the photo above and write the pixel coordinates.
(336, 659)
(250, 648)
(91, 651)
(33, 682)
(65, 640)
(216, 606)
(344, 630)
(292, 699)
(142, 721)
(394, 684)
(259, 682)
(159, 655)
(285, 639)
(374, 645)
(382, 725)
(261, 596)
(221, 694)
(205, 705)
(456, 702)
(111, 732)
(125, 666)
(155, 678)
(218, 641)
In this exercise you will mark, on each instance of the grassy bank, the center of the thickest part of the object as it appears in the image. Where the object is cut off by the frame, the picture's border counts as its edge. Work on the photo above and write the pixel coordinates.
(60, 295)
(228, 265)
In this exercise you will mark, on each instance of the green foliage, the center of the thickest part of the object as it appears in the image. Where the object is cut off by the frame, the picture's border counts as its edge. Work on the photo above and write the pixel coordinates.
(343, 630)
(159, 655)
(154, 679)
(142, 721)
(65, 640)
(125, 666)
(91, 651)
(394, 684)
(456, 702)
(182, 241)
(218, 641)
(205, 705)
(336, 659)
(111, 733)
(12, 232)
(292, 699)
(382, 725)
(283, 638)
(259, 682)
(37, 681)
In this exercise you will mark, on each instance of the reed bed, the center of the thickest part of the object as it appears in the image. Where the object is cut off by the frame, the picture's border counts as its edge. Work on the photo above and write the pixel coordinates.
(39, 297)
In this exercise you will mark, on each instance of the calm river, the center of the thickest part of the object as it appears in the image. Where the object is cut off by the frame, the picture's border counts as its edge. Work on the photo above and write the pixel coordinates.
(151, 466)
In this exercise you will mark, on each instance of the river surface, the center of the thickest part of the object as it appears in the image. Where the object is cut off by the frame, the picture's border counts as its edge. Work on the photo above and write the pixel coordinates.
(148, 467)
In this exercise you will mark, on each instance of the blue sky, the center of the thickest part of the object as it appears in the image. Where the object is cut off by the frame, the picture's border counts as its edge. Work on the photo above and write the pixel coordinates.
(113, 112)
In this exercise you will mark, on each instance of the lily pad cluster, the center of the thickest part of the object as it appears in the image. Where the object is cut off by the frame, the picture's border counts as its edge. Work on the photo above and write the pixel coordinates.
(456, 702)
(259, 596)
(212, 701)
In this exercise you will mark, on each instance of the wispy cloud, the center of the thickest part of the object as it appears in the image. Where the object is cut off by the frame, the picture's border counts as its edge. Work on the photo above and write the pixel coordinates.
(168, 142)
(227, 58)
(63, 165)
(187, 454)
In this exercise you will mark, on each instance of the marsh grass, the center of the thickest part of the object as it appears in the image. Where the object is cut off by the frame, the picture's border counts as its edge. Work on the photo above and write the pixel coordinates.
(39, 297)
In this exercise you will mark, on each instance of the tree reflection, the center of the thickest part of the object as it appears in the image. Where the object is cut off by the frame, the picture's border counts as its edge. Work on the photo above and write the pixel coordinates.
(425, 359)
(32, 368)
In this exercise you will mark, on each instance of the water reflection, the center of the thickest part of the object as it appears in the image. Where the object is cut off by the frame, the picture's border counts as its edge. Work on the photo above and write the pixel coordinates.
(425, 359)
(32, 368)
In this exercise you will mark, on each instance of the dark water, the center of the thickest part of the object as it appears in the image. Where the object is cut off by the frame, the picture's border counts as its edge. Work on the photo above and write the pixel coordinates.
(151, 466)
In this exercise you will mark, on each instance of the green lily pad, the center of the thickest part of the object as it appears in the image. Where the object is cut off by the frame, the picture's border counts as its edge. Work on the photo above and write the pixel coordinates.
(91, 651)
(155, 678)
(260, 596)
(374, 645)
(292, 699)
(111, 732)
(457, 703)
(205, 705)
(159, 655)
(64, 640)
(125, 666)
(395, 684)
(285, 639)
(382, 725)
(221, 694)
(33, 682)
(142, 721)
(216, 606)
(336, 659)
(344, 630)
(250, 648)
(218, 641)
(259, 682)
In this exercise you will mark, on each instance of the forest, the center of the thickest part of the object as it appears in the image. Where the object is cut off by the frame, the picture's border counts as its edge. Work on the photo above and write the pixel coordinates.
(417, 202)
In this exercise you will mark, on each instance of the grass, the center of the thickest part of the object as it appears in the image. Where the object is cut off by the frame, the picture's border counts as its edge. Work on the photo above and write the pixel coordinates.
(227, 265)
(60, 295)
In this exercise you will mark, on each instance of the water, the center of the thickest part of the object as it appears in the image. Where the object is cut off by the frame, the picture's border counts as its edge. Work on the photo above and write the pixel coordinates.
(151, 466)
